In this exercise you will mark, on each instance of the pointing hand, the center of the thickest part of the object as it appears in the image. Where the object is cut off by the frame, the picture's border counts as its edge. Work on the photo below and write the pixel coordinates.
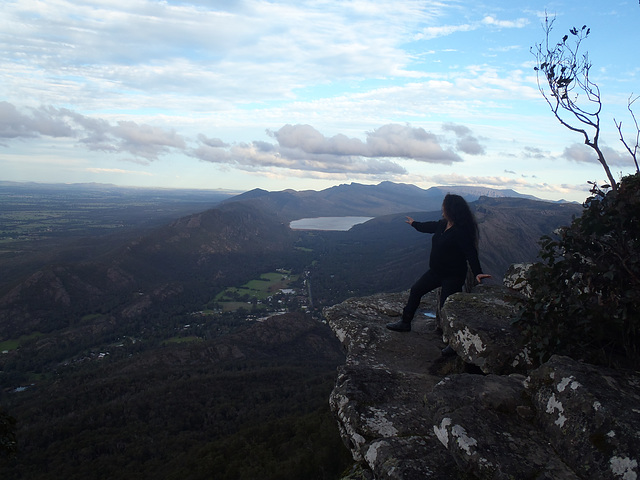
(482, 276)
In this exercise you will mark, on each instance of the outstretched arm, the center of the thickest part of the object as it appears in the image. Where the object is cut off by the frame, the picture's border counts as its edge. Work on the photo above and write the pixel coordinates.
(423, 227)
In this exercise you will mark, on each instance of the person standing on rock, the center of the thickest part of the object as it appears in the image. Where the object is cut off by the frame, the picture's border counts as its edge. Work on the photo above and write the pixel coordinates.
(454, 244)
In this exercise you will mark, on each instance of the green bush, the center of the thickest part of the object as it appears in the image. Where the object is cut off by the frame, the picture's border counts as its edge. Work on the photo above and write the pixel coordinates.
(586, 289)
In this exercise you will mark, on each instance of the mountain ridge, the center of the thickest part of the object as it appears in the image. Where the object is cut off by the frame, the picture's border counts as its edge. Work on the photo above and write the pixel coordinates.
(220, 246)
(357, 199)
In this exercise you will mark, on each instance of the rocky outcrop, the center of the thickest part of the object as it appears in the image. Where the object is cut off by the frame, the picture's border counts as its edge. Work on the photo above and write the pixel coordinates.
(591, 416)
(406, 412)
(478, 326)
(484, 422)
(378, 398)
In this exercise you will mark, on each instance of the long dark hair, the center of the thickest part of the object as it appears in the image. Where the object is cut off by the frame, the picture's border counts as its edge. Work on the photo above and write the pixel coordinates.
(457, 211)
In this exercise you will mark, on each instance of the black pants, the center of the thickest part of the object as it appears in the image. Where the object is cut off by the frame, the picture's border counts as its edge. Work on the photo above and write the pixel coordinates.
(427, 282)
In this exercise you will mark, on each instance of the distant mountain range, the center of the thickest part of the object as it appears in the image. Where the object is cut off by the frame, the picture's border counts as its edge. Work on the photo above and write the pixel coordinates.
(207, 251)
(363, 200)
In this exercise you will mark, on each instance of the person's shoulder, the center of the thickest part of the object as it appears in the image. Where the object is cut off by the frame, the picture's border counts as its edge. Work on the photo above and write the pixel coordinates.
(441, 225)
(462, 231)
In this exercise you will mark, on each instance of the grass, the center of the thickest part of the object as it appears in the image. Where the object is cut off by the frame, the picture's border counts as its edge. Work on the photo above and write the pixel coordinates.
(9, 345)
(13, 344)
(260, 288)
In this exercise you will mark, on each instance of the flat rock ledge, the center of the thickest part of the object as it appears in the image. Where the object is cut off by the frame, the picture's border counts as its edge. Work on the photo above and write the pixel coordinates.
(406, 412)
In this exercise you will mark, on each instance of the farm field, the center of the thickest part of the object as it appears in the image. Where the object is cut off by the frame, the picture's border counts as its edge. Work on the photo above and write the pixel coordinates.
(37, 212)
(42, 224)
(13, 344)
(256, 293)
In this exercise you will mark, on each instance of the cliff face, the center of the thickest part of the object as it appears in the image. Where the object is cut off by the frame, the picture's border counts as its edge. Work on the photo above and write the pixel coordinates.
(379, 395)
(405, 412)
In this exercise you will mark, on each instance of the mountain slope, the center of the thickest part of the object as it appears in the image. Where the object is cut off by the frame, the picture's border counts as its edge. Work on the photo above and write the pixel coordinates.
(386, 255)
(510, 228)
(185, 263)
(169, 411)
(360, 200)
(197, 254)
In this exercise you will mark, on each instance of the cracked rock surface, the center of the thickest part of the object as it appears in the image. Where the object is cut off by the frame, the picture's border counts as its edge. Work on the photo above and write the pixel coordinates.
(406, 412)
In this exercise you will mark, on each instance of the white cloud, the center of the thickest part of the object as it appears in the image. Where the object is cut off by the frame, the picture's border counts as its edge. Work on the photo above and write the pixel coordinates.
(142, 141)
(45, 121)
(535, 152)
(304, 148)
(518, 23)
(505, 182)
(162, 56)
(444, 30)
(261, 156)
(145, 80)
(104, 49)
(581, 153)
(490, 181)
(432, 32)
(391, 140)
(299, 147)
(466, 141)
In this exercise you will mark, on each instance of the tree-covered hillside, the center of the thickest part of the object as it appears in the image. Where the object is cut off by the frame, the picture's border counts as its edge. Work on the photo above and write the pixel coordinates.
(124, 363)
(252, 404)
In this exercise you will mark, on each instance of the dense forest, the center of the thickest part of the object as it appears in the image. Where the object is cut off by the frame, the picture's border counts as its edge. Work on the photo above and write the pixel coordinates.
(237, 405)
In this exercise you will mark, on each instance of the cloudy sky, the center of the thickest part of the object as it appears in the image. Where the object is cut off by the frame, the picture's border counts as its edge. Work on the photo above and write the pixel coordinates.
(304, 94)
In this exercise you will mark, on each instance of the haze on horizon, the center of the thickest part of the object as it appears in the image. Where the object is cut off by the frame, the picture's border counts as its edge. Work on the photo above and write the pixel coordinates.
(303, 95)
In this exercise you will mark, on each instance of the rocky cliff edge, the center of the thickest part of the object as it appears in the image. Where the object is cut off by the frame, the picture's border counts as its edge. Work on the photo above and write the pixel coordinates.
(406, 412)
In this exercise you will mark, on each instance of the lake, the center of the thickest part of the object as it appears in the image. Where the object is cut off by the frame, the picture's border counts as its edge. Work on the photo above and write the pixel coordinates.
(328, 223)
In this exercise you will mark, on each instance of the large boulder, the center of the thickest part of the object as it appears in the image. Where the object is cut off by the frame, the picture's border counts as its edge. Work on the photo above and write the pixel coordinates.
(485, 423)
(590, 415)
(515, 278)
(479, 327)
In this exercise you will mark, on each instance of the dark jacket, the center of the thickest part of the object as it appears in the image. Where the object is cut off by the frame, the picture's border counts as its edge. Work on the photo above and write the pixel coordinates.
(450, 249)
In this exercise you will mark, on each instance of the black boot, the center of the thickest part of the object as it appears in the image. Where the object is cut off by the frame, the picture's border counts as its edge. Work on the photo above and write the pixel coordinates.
(400, 326)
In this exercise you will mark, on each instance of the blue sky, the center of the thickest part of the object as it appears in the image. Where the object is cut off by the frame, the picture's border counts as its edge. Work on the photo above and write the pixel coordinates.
(304, 94)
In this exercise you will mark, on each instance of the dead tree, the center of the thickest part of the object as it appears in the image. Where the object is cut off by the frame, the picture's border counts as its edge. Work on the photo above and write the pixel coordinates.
(563, 79)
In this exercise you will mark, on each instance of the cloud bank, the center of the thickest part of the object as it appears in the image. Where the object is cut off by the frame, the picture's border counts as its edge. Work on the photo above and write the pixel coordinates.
(142, 141)
(302, 147)
(298, 147)
(580, 153)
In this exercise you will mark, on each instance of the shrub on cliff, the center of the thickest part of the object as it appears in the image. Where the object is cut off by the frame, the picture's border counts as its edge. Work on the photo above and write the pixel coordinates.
(586, 289)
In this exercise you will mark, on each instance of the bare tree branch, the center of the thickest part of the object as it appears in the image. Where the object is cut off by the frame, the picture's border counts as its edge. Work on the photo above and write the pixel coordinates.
(633, 152)
(573, 98)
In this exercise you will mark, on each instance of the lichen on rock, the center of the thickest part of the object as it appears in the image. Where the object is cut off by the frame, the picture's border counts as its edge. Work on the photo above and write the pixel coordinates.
(406, 412)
